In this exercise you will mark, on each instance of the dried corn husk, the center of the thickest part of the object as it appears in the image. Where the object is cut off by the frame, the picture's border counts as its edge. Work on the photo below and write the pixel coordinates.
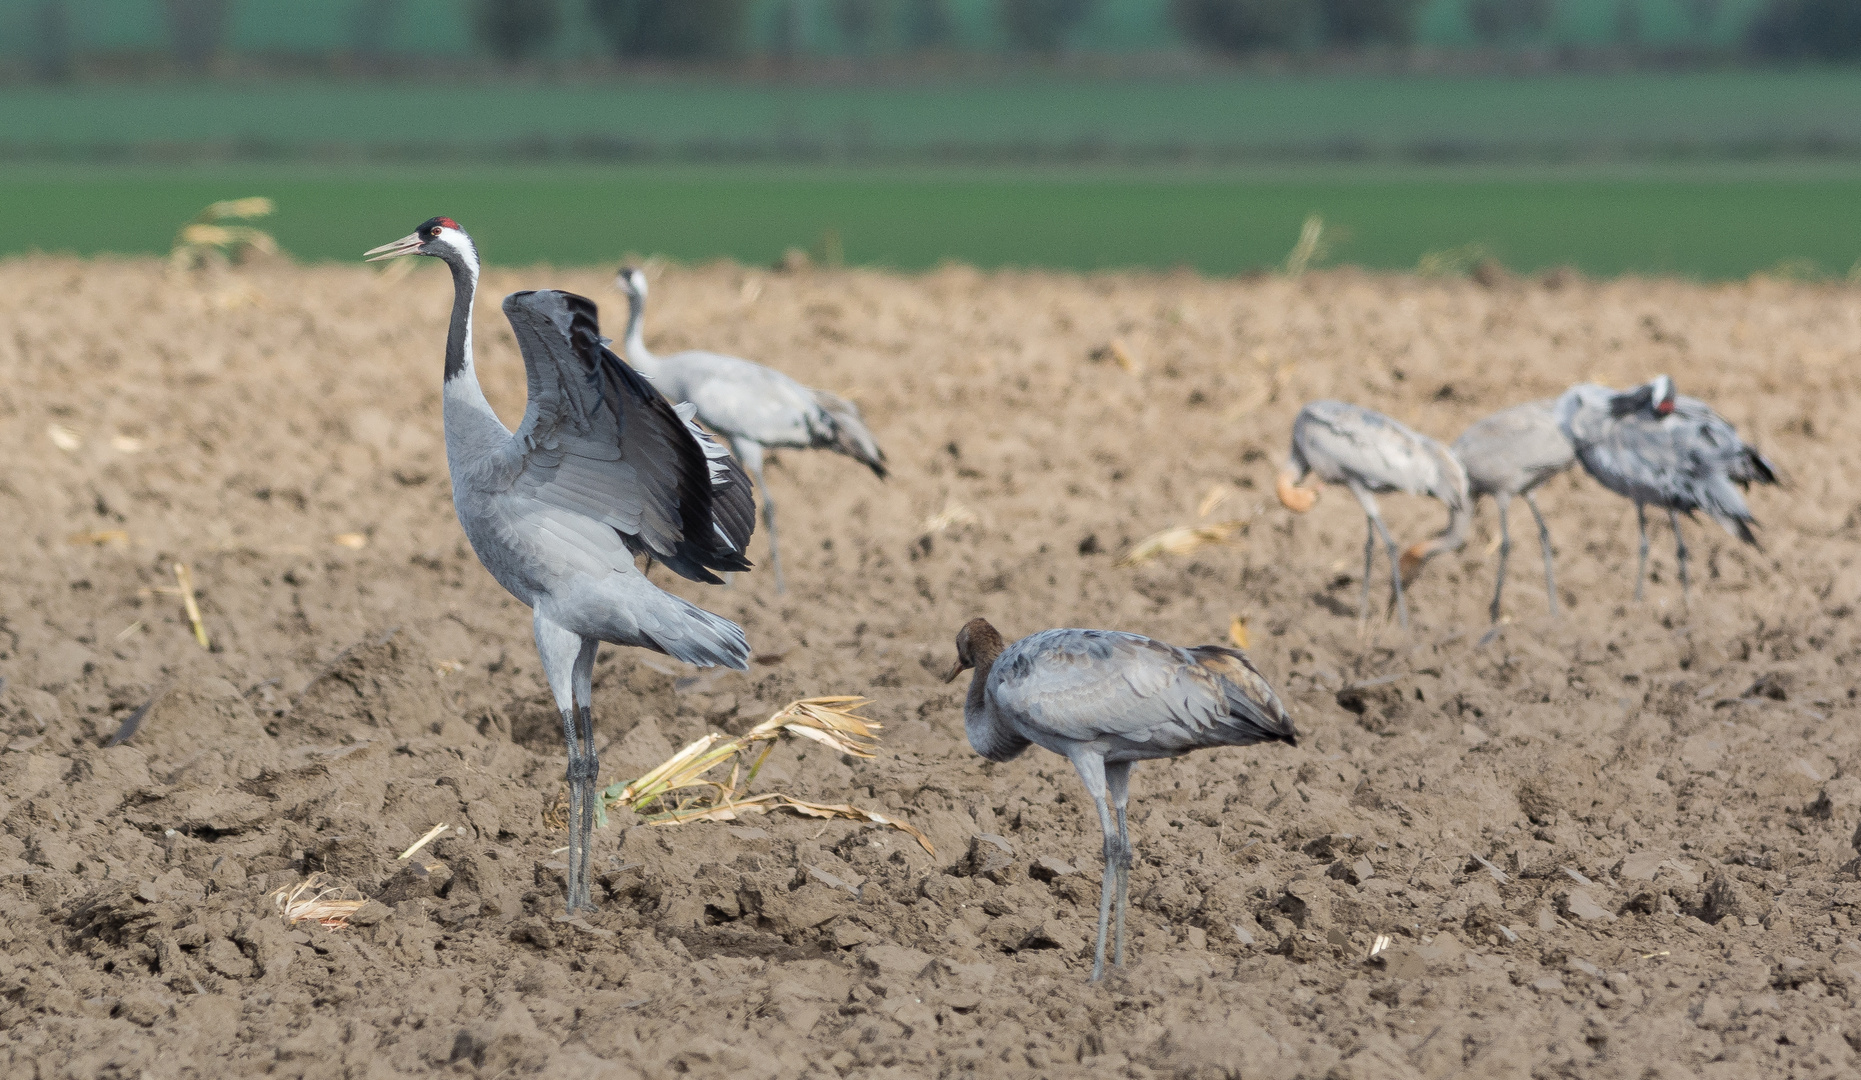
(319, 898)
(1182, 540)
(832, 721)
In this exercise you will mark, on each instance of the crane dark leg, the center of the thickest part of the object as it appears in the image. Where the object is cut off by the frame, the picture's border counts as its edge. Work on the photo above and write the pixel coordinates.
(584, 770)
(1370, 511)
(568, 664)
(1544, 545)
(1395, 573)
(1641, 568)
(1118, 783)
(1505, 549)
(1680, 554)
(1369, 562)
(750, 454)
(1092, 772)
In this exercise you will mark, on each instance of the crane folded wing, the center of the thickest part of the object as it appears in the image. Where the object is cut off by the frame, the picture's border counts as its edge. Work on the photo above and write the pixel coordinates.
(602, 442)
(1137, 696)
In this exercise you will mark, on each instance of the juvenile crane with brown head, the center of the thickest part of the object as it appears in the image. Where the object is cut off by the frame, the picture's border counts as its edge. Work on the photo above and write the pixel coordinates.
(1105, 701)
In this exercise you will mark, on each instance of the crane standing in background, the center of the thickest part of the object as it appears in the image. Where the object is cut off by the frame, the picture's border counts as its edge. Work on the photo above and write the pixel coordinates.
(1510, 453)
(1652, 446)
(1371, 454)
(754, 408)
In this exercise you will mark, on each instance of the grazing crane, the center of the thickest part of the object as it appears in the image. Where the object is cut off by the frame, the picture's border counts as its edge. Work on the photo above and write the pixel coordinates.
(753, 407)
(1371, 454)
(603, 468)
(1652, 446)
(1510, 453)
(1105, 701)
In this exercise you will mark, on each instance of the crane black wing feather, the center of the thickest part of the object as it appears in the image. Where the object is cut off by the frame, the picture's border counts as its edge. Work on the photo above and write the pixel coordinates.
(601, 441)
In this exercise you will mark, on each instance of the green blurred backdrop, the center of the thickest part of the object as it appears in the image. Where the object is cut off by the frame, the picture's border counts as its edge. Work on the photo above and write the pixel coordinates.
(1653, 136)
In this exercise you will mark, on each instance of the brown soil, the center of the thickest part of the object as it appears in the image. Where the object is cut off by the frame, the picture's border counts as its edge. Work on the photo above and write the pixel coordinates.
(1613, 845)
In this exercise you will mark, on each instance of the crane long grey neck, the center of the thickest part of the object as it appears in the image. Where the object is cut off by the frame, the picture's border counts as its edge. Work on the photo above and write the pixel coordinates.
(988, 734)
(977, 701)
(635, 345)
(459, 331)
(474, 433)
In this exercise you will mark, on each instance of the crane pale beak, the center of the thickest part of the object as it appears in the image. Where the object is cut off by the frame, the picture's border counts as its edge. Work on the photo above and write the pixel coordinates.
(406, 245)
(956, 669)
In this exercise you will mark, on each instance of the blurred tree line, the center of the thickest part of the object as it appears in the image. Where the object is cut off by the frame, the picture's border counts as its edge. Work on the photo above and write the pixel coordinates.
(708, 29)
(520, 31)
(1781, 29)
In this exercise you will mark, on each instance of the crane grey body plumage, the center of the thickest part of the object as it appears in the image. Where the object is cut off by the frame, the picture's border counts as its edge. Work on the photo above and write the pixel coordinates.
(1510, 453)
(601, 469)
(1654, 447)
(755, 408)
(1371, 454)
(1106, 700)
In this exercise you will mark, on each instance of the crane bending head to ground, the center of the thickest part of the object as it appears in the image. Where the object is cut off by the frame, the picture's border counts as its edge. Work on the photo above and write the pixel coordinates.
(1105, 701)
(754, 408)
(1654, 447)
(603, 468)
(1510, 453)
(1371, 454)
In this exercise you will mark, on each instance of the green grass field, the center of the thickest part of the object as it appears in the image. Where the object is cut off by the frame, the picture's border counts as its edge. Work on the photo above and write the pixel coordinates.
(1721, 224)
(1651, 172)
(1237, 119)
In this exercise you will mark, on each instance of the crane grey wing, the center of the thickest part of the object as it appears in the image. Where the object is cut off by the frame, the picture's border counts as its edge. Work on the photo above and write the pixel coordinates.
(1131, 692)
(1716, 436)
(1668, 463)
(1250, 700)
(1515, 449)
(600, 441)
(1337, 439)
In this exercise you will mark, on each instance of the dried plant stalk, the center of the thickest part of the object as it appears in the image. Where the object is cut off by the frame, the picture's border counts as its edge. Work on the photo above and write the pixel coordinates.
(319, 898)
(1182, 540)
(431, 834)
(1213, 498)
(1118, 353)
(953, 515)
(204, 239)
(831, 721)
(775, 800)
(834, 721)
(184, 580)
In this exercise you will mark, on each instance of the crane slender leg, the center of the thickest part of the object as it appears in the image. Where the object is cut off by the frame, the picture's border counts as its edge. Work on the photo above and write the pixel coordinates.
(1544, 545)
(750, 454)
(1118, 781)
(1370, 510)
(1369, 563)
(1641, 568)
(1389, 544)
(588, 769)
(568, 665)
(1092, 773)
(1680, 553)
(1505, 548)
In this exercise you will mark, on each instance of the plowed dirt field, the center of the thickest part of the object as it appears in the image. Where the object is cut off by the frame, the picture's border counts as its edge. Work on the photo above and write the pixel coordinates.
(1614, 844)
